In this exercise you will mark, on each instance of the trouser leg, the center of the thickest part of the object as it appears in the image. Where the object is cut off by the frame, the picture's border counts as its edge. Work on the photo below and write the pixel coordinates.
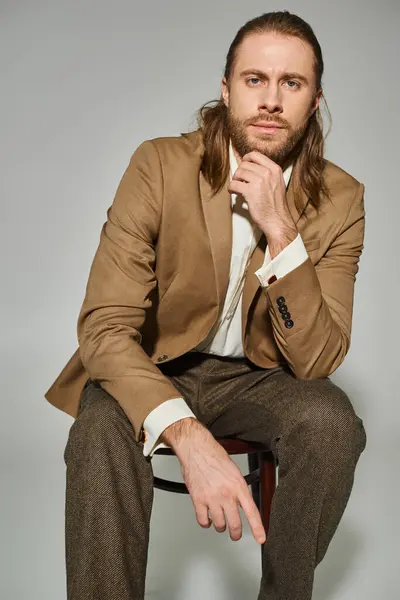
(313, 430)
(316, 473)
(109, 496)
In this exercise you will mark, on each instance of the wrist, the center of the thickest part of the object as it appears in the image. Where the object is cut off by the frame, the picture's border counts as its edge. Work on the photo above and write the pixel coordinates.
(279, 225)
(179, 434)
(280, 239)
(277, 245)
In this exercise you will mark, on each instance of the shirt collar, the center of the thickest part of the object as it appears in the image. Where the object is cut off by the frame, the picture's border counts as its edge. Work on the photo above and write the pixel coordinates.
(234, 165)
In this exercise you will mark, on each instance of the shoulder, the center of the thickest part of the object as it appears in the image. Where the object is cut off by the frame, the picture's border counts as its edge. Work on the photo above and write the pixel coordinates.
(344, 188)
(172, 150)
(337, 179)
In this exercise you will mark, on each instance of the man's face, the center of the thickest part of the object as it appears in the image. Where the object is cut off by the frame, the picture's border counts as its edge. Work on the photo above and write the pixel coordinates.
(261, 90)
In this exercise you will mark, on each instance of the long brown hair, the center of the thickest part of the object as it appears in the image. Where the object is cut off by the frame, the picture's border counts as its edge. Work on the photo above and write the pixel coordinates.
(309, 161)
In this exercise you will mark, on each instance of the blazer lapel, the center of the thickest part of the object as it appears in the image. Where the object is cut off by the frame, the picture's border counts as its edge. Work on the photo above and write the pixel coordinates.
(218, 217)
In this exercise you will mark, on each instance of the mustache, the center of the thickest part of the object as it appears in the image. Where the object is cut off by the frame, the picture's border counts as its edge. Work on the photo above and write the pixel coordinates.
(272, 120)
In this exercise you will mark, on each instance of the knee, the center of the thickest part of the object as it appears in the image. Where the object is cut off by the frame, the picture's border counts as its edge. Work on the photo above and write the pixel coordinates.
(330, 419)
(97, 422)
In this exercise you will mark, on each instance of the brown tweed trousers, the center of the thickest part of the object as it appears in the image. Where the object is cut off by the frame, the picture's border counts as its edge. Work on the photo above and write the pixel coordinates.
(310, 425)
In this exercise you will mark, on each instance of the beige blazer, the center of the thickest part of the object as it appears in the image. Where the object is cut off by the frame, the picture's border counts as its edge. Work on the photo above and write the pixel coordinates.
(160, 273)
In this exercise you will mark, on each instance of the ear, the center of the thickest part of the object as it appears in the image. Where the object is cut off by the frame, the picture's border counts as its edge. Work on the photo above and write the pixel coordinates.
(225, 91)
(316, 101)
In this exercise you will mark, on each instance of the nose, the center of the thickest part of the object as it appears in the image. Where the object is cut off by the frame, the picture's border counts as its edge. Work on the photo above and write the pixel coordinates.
(270, 99)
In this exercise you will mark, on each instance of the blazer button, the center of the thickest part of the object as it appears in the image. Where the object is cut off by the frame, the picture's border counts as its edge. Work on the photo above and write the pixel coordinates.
(162, 357)
(280, 300)
(289, 324)
(285, 316)
(282, 308)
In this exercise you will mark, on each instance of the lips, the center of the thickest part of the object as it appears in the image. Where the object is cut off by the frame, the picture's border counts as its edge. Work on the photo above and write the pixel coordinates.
(269, 130)
(268, 125)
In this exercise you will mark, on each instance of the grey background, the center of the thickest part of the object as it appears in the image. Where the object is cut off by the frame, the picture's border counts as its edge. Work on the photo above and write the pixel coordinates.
(83, 83)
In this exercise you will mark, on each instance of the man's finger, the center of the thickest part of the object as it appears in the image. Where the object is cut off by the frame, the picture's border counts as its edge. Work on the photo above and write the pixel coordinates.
(218, 517)
(253, 516)
(234, 520)
(202, 515)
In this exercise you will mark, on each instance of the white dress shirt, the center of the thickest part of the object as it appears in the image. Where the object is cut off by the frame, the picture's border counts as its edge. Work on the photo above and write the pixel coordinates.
(225, 339)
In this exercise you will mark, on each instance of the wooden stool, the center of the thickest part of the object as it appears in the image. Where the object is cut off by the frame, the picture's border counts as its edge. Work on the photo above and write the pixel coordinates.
(262, 475)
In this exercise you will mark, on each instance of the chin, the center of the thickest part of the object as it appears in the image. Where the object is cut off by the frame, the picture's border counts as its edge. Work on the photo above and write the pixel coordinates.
(267, 148)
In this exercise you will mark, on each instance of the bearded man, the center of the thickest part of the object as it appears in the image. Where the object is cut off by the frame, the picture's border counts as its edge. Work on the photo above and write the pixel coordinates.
(219, 302)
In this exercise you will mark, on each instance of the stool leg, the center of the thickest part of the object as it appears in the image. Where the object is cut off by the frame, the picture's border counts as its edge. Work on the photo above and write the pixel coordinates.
(267, 489)
(254, 461)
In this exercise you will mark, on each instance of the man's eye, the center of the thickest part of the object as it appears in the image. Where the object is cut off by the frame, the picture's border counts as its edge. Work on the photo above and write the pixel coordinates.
(253, 79)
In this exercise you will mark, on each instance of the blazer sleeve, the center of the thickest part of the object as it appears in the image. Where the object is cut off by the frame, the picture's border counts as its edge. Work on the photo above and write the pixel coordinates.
(319, 300)
(118, 293)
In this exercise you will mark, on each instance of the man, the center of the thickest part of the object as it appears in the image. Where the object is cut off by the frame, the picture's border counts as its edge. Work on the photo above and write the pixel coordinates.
(218, 303)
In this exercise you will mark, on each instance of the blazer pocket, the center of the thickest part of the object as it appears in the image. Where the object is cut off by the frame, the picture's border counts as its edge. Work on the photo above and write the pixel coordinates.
(312, 244)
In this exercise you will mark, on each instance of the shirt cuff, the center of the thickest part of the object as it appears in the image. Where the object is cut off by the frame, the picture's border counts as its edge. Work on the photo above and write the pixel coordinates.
(159, 419)
(287, 260)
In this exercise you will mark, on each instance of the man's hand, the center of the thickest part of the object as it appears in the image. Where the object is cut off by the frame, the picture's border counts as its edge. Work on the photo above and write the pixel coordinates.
(260, 181)
(214, 481)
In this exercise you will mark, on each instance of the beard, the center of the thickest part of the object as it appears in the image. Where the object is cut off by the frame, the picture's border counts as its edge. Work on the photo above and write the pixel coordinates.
(282, 147)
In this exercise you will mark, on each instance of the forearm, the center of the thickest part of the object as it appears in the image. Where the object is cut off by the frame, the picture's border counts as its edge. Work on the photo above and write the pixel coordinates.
(311, 306)
(313, 338)
(159, 419)
(279, 234)
(119, 291)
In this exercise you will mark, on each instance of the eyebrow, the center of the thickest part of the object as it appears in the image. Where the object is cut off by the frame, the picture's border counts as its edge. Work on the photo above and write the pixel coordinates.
(263, 75)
